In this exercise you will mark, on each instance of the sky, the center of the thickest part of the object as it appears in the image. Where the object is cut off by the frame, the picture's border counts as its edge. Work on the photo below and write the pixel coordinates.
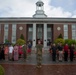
(27, 8)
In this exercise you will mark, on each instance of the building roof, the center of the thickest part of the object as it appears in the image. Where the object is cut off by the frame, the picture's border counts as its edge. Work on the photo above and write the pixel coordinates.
(31, 19)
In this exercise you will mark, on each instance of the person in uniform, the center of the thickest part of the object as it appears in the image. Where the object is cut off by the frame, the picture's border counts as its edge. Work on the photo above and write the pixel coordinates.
(39, 50)
(24, 52)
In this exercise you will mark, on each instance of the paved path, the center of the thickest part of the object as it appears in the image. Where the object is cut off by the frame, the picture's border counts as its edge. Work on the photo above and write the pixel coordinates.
(20, 69)
(48, 67)
(32, 60)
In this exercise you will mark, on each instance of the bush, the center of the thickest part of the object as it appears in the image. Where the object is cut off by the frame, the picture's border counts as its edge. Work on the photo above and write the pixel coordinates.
(59, 40)
(22, 37)
(69, 41)
(1, 70)
(60, 36)
(20, 42)
(6, 41)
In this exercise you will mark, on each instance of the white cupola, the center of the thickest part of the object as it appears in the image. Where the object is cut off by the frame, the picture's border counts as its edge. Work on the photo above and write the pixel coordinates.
(39, 10)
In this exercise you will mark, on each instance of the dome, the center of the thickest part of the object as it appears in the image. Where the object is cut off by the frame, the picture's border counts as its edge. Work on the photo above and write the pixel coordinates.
(39, 3)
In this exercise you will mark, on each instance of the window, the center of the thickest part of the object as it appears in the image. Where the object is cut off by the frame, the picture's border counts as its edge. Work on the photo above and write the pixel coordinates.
(39, 31)
(6, 26)
(30, 32)
(49, 35)
(74, 31)
(14, 33)
(65, 31)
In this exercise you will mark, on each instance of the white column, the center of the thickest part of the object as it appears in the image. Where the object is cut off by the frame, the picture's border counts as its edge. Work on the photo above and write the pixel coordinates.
(34, 34)
(45, 35)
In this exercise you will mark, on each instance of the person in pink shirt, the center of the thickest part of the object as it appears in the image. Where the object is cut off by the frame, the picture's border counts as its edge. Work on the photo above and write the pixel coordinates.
(15, 53)
(6, 51)
(20, 51)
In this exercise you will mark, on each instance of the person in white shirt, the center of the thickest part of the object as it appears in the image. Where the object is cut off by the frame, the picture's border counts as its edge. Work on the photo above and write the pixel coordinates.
(10, 52)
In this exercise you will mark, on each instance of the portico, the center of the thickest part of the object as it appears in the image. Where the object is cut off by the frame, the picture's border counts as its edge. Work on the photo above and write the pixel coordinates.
(41, 32)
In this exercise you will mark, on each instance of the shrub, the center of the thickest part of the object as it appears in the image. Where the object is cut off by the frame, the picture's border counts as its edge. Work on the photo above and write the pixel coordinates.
(60, 36)
(20, 42)
(1, 70)
(22, 37)
(59, 40)
(6, 41)
(69, 41)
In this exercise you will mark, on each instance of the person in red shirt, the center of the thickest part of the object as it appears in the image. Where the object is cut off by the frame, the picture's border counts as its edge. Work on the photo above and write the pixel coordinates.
(66, 48)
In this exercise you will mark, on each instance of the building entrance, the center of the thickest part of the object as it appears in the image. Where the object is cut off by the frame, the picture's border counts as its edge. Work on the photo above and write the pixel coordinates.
(39, 33)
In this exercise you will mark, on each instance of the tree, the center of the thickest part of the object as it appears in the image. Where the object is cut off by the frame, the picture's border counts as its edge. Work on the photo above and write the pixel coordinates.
(22, 37)
(60, 36)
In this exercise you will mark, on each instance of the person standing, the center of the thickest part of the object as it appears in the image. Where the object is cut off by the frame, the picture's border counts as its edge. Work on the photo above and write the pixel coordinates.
(6, 52)
(10, 52)
(66, 48)
(15, 53)
(24, 52)
(60, 51)
(20, 51)
(72, 48)
(2, 52)
(39, 50)
(54, 51)
(29, 46)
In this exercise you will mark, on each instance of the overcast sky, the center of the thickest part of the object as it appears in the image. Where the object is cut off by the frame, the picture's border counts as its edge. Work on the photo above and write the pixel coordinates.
(26, 8)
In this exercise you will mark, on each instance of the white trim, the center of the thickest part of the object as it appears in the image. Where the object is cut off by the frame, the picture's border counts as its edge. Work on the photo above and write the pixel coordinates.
(34, 34)
(45, 34)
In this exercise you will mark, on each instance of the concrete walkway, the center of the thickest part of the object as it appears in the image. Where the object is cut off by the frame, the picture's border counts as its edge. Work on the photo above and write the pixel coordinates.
(31, 60)
(48, 67)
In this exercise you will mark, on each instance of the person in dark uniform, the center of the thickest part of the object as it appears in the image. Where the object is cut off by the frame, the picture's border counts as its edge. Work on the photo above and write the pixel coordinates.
(39, 50)
(53, 51)
(66, 48)
(71, 48)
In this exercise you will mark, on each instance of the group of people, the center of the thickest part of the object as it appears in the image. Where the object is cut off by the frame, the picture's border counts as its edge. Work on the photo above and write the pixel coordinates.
(61, 52)
(9, 52)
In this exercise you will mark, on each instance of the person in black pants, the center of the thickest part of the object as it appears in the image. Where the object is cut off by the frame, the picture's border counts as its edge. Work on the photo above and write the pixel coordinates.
(66, 48)
(54, 50)
(72, 48)
(2, 53)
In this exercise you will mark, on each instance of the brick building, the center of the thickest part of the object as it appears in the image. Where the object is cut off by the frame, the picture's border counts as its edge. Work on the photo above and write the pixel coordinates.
(37, 27)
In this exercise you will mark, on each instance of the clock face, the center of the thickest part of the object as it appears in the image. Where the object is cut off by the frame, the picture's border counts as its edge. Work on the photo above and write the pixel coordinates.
(20, 28)
(58, 28)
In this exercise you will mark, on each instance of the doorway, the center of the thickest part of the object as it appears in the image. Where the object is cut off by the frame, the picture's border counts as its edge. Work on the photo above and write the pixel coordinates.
(39, 33)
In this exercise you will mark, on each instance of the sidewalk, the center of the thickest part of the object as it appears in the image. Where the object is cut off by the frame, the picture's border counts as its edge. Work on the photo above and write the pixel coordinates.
(48, 67)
